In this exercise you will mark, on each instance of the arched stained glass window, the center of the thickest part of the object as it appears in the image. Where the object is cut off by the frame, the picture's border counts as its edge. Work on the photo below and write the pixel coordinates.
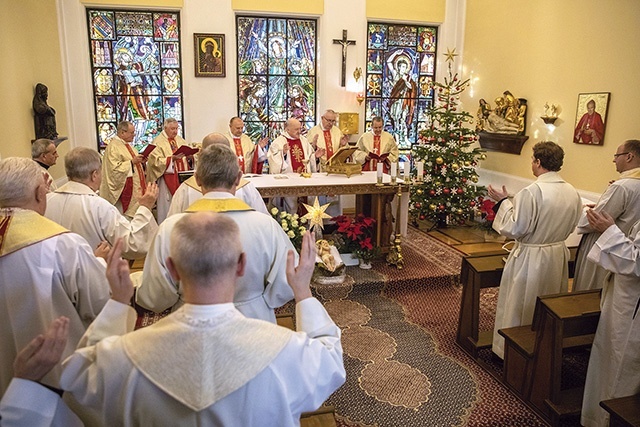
(135, 63)
(401, 67)
(276, 73)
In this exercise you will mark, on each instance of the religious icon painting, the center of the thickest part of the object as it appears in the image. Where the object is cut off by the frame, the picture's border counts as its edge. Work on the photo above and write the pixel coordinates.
(209, 55)
(591, 117)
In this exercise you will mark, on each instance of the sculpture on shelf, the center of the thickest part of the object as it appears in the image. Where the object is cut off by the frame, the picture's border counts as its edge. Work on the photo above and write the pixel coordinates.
(44, 115)
(508, 117)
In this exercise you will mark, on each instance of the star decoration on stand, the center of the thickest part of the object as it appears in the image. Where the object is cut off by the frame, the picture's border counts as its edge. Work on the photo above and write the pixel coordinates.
(450, 54)
(315, 214)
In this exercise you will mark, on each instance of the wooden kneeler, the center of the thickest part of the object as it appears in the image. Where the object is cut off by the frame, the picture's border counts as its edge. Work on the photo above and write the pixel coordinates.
(325, 415)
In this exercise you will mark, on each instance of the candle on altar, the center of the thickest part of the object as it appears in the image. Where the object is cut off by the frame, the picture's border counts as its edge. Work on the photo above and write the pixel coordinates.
(419, 170)
(407, 170)
(379, 173)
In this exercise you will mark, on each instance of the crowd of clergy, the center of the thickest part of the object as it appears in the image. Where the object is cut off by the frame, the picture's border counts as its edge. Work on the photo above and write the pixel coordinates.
(217, 259)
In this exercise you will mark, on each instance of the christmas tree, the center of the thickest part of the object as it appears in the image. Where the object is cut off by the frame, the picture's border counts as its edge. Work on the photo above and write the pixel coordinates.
(448, 193)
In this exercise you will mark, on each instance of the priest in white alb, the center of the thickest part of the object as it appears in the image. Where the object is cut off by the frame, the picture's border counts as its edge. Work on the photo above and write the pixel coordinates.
(189, 191)
(77, 207)
(540, 218)
(375, 144)
(251, 156)
(264, 284)
(45, 270)
(164, 166)
(291, 152)
(621, 200)
(207, 364)
(123, 177)
(614, 364)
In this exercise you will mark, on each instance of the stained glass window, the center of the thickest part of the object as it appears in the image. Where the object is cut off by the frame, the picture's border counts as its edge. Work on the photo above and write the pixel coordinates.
(276, 73)
(400, 70)
(135, 63)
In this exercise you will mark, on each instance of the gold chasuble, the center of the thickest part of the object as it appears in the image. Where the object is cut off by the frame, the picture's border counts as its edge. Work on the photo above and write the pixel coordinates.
(20, 228)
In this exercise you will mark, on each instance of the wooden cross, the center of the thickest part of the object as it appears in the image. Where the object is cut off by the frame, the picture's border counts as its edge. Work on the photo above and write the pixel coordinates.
(344, 42)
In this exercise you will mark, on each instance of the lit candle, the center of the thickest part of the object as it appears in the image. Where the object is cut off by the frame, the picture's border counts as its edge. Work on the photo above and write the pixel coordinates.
(379, 173)
(419, 169)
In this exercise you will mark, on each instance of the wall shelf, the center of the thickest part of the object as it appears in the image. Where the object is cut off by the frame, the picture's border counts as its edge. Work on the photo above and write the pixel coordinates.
(502, 142)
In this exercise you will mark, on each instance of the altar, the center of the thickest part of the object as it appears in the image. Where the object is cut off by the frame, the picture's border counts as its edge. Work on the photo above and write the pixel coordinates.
(371, 200)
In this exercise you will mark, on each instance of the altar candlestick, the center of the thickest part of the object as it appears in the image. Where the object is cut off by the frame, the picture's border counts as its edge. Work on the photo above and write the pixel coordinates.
(379, 173)
(419, 169)
(394, 172)
(407, 171)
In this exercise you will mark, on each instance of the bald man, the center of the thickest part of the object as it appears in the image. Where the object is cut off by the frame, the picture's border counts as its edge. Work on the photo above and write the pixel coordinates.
(251, 156)
(189, 191)
(292, 153)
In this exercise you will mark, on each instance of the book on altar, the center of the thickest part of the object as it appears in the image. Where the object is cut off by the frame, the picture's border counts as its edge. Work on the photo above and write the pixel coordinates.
(379, 157)
(148, 149)
(186, 150)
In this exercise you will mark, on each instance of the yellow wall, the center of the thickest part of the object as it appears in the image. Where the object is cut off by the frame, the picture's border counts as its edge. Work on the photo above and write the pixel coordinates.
(30, 54)
(407, 10)
(550, 51)
(140, 3)
(310, 7)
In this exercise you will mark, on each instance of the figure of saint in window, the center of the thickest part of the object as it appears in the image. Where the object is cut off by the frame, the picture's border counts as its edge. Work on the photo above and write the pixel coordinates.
(402, 98)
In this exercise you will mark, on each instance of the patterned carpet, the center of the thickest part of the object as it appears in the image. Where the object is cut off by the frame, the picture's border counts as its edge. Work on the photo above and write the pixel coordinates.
(403, 367)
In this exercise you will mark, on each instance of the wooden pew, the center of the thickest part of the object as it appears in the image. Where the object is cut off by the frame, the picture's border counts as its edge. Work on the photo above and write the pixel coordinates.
(477, 272)
(623, 411)
(533, 354)
(325, 415)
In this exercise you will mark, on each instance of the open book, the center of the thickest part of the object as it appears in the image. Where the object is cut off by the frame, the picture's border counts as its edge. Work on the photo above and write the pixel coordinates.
(148, 149)
(186, 150)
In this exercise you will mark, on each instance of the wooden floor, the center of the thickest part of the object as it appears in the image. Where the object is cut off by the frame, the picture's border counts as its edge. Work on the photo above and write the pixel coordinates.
(467, 239)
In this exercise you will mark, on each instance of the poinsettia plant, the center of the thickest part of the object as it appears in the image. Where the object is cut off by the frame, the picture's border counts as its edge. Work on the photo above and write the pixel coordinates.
(355, 235)
(486, 213)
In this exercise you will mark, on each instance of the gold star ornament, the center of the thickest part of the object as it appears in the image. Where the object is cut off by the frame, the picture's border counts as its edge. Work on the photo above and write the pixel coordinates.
(450, 54)
(315, 214)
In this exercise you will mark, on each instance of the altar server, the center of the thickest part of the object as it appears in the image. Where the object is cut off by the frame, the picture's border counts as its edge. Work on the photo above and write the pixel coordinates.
(614, 365)
(540, 218)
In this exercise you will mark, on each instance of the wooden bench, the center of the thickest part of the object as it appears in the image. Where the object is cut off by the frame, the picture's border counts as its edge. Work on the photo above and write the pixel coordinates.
(477, 272)
(623, 411)
(533, 354)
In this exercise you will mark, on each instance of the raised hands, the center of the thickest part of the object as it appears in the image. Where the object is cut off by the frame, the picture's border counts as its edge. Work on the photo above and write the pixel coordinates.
(118, 275)
(299, 277)
(43, 352)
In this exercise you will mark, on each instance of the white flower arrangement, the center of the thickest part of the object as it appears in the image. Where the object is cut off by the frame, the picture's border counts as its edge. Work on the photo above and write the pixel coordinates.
(291, 225)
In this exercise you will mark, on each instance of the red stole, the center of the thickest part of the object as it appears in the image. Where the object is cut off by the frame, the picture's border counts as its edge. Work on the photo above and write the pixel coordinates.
(238, 146)
(328, 143)
(256, 166)
(296, 154)
(372, 165)
(127, 191)
(173, 179)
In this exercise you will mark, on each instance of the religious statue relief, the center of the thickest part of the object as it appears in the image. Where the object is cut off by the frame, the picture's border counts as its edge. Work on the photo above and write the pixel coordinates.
(507, 117)
(44, 115)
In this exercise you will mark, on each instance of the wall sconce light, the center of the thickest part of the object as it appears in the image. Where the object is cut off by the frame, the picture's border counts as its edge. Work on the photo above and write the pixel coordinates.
(550, 113)
(357, 85)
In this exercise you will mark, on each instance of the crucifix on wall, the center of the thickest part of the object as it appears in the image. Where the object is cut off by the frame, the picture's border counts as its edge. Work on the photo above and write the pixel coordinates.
(344, 43)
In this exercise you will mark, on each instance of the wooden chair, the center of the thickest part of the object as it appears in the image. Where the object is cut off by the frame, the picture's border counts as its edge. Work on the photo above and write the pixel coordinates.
(623, 411)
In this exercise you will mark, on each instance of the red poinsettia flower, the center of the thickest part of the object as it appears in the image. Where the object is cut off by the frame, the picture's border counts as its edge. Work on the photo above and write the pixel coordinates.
(366, 244)
(487, 209)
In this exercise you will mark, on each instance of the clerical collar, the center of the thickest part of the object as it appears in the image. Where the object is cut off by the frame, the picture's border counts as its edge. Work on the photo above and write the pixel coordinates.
(42, 164)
